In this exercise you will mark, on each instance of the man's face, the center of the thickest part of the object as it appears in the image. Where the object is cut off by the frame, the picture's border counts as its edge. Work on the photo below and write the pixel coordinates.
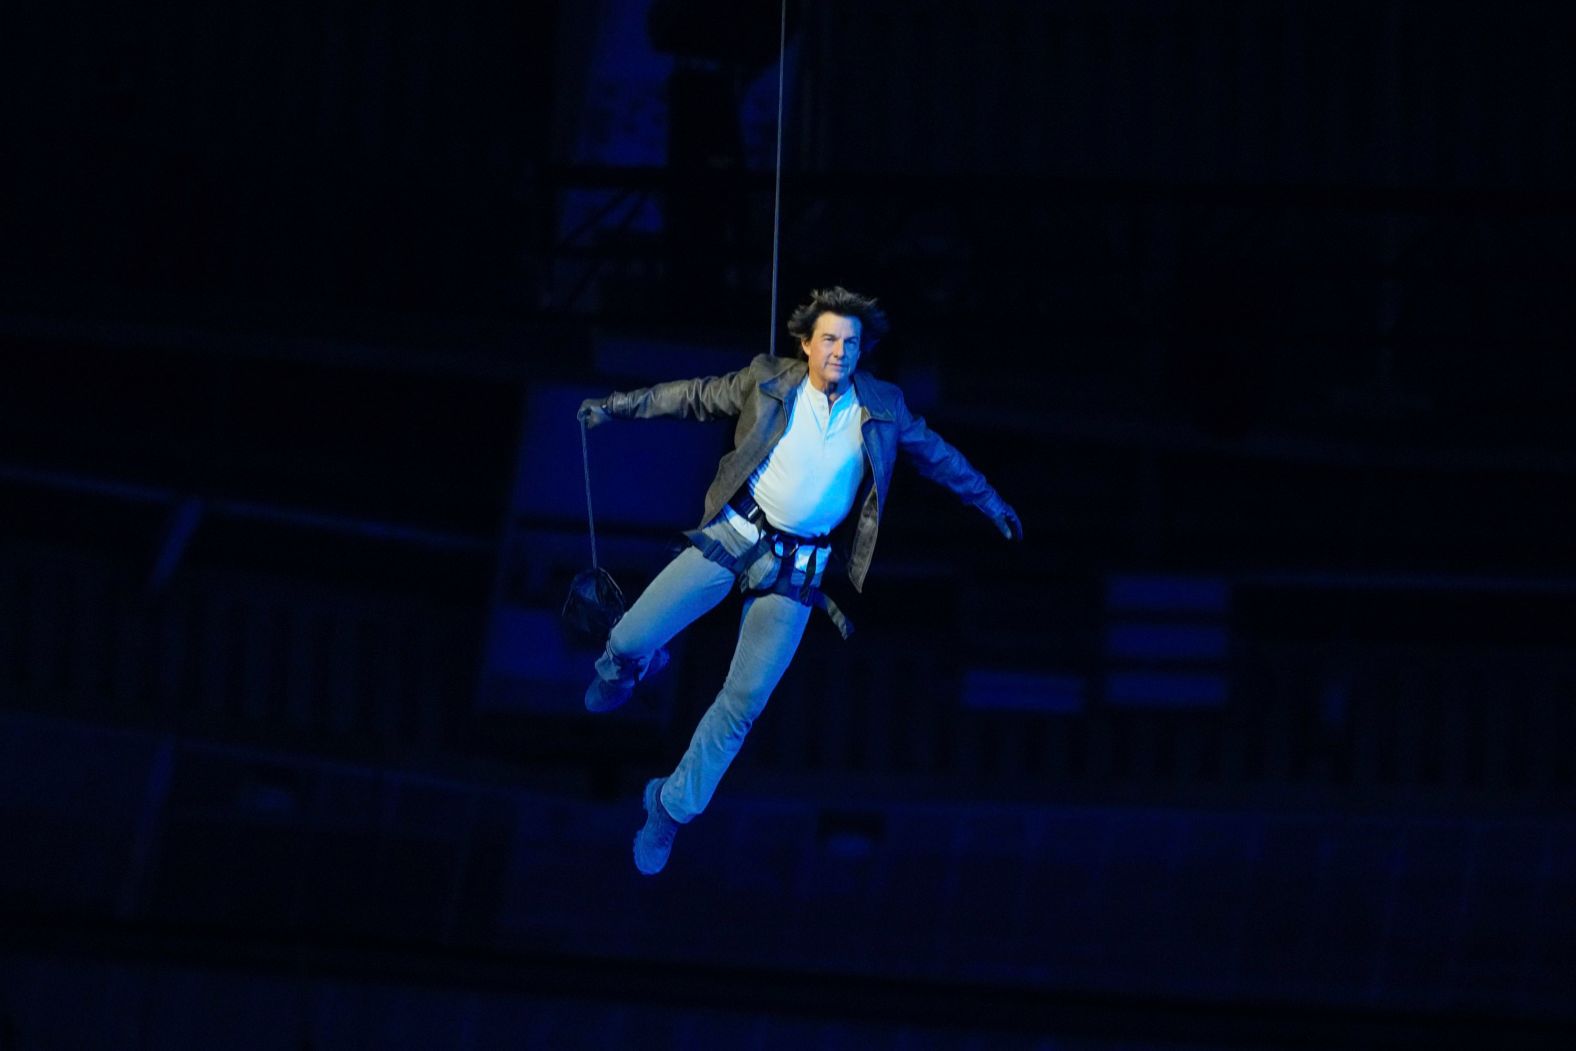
(833, 350)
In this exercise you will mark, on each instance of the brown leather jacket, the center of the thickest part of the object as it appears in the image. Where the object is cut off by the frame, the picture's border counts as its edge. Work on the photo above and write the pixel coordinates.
(761, 395)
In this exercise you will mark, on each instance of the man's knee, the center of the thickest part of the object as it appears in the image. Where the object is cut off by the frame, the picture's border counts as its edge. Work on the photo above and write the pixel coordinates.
(739, 723)
(742, 706)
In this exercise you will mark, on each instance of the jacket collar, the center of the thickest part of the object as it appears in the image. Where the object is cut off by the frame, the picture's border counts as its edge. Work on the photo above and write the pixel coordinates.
(786, 379)
(873, 393)
(875, 396)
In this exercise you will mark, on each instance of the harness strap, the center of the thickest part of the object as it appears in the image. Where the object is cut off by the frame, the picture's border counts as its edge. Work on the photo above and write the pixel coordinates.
(744, 505)
(816, 598)
(714, 551)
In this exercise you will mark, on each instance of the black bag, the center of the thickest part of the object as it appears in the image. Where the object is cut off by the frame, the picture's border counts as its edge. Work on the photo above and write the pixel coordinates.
(595, 603)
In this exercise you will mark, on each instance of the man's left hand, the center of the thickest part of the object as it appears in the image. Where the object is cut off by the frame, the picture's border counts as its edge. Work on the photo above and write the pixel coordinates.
(1007, 521)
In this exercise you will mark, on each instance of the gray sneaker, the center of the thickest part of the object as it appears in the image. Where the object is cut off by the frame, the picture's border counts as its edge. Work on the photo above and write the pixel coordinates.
(604, 696)
(654, 841)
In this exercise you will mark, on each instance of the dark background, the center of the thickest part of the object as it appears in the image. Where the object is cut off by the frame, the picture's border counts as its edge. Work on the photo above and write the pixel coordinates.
(1260, 314)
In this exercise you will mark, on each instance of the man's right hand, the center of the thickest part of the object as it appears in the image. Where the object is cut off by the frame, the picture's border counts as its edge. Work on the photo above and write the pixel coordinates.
(593, 411)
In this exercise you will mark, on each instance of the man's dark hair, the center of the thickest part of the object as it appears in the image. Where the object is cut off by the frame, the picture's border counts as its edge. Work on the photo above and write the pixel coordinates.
(838, 300)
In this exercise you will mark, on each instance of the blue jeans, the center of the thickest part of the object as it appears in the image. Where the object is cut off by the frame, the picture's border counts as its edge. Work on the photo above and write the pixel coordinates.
(769, 634)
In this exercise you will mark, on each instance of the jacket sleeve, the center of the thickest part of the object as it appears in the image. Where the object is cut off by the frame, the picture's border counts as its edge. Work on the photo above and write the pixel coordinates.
(935, 459)
(708, 398)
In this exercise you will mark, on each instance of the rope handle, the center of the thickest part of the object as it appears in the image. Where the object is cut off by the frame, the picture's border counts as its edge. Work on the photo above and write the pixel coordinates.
(585, 457)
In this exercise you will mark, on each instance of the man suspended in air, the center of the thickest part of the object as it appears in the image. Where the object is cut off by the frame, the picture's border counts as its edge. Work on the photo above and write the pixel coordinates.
(807, 478)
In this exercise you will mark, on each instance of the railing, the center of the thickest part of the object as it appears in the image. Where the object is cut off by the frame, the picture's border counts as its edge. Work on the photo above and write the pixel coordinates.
(232, 655)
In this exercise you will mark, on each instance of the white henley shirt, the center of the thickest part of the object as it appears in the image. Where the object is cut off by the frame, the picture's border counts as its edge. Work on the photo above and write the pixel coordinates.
(810, 478)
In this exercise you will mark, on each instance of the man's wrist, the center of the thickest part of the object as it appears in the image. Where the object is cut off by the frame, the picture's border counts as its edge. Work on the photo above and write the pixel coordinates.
(593, 411)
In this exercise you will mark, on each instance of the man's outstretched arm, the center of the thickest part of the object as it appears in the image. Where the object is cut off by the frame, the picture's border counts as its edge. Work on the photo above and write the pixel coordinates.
(699, 399)
(934, 458)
